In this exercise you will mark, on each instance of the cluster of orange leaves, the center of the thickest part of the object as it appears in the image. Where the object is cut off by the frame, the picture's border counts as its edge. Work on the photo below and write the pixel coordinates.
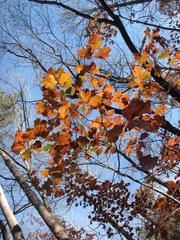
(87, 115)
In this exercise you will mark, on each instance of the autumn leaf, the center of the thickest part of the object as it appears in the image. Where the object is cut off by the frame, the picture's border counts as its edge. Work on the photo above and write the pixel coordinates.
(94, 42)
(103, 52)
(95, 101)
(161, 203)
(177, 55)
(136, 108)
(164, 54)
(45, 172)
(79, 68)
(57, 181)
(129, 149)
(85, 95)
(138, 76)
(17, 147)
(93, 68)
(113, 134)
(49, 81)
(144, 57)
(65, 79)
(82, 52)
(160, 110)
(171, 184)
(40, 107)
(148, 162)
(63, 111)
(26, 155)
(101, 81)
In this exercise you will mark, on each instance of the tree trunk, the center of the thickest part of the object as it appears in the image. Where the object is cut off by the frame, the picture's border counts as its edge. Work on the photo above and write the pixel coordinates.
(52, 222)
(11, 220)
(4, 232)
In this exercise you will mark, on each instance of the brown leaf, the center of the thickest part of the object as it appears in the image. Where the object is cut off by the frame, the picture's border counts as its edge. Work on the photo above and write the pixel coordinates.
(113, 134)
(148, 162)
(136, 108)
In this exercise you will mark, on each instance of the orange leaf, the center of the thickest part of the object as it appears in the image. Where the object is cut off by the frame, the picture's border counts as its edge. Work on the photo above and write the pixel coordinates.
(109, 113)
(40, 107)
(82, 52)
(172, 184)
(103, 52)
(94, 42)
(49, 81)
(45, 172)
(65, 79)
(160, 110)
(93, 68)
(85, 95)
(95, 101)
(129, 149)
(101, 81)
(177, 55)
(138, 76)
(57, 181)
(79, 68)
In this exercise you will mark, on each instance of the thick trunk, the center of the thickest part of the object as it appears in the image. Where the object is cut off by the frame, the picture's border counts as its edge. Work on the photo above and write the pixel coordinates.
(11, 220)
(52, 222)
(4, 232)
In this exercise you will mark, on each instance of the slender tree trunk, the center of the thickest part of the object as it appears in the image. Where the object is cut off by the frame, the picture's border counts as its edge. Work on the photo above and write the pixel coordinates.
(4, 232)
(52, 222)
(11, 220)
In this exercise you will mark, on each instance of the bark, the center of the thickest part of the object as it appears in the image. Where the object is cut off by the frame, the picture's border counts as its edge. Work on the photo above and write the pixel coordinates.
(52, 222)
(11, 220)
(4, 232)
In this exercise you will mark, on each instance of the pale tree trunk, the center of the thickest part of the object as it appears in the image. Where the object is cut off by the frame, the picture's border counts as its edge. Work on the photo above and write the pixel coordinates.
(4, 232)
(52, 222)
(11, 220)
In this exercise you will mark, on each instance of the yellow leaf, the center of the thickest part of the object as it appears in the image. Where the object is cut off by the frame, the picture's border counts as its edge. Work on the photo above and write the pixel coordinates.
(79, 68)
(65, 80)
(146, 75)
(49, 81)
(144, 57)
(138, 76)
(164, 54)
(45, 172)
